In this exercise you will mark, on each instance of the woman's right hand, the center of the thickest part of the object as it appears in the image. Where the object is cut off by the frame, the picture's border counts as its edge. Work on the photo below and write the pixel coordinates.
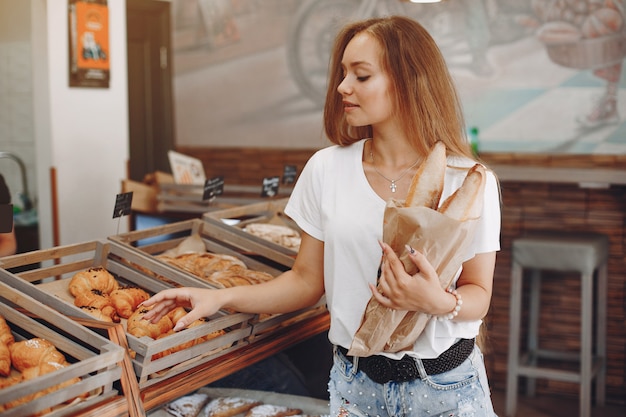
(201, 302)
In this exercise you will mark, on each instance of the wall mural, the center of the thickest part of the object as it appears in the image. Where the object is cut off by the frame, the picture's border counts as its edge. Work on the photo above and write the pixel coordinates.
(540, 76)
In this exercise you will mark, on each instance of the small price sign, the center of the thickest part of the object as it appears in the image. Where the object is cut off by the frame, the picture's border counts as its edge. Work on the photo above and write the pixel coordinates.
(123, 203)
(213, 187)
(289, 174)
(270, 186)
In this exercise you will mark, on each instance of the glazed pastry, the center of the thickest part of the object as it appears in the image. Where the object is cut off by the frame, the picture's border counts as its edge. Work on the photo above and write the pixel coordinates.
(126, 300)
(96, 278)
(34, 352)
(188, 406)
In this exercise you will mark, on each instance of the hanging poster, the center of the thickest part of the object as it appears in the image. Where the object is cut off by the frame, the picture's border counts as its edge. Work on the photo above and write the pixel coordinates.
(89, 43)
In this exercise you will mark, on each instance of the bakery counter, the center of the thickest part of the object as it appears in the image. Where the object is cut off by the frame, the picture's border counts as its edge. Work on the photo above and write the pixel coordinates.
(561, 193)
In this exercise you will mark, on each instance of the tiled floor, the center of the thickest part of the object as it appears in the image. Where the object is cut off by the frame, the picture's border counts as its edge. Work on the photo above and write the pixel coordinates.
(552, 406)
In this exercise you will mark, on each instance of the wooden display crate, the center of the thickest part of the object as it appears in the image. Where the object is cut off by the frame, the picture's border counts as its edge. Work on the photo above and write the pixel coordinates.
(91, 357)
(255, 254)
(235, 219)
(49, 286)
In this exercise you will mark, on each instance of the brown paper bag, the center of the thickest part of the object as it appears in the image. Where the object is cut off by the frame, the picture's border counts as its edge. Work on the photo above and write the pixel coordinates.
(443, 241)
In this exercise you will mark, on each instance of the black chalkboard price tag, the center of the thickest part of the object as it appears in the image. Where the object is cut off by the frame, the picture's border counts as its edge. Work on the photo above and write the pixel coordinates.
(122, 204)
(213, 187)
(270, 186)
(289, 174)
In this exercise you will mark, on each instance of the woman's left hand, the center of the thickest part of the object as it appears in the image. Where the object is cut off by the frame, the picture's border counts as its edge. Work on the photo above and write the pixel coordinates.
(400, 291)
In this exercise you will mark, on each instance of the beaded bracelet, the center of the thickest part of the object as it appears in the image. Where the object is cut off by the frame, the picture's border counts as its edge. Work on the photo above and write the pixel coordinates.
(457, 307)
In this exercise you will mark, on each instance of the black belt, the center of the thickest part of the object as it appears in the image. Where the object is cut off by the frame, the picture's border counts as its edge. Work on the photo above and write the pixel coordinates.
(382, 369)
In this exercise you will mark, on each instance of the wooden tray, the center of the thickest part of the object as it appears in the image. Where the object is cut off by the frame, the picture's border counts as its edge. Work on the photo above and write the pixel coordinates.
(49, 285)
(235, 219)
(255, 253)
(93, 358)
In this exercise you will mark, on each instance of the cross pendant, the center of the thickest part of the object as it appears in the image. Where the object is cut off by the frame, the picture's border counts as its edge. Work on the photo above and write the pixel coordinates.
(393, 186)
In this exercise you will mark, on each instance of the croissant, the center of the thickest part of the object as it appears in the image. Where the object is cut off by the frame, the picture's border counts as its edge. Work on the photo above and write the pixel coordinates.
(126, 300)
(36, 371)
(96, 278)
(33, 352)
(97, 313)
(6, 336)
(139, 327)
(5, 360)
(99, 300)
(189, 343)
(176, 314)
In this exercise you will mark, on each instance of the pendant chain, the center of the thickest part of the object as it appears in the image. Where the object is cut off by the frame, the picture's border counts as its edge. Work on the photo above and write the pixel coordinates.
(393, 185)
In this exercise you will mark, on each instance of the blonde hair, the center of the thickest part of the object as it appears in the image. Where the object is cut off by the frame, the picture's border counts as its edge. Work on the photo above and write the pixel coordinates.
(424, 94)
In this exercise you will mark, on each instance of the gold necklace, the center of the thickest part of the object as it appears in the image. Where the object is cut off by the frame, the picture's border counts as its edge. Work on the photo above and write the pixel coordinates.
(393, 185)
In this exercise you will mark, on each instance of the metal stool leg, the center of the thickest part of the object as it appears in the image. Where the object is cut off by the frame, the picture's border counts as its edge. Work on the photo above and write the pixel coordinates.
(586, 335)
(533, 328)
(514, 322)
(601, 333)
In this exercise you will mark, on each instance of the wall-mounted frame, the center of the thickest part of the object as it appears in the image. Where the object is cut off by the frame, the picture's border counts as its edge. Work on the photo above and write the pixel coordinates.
(88, 30)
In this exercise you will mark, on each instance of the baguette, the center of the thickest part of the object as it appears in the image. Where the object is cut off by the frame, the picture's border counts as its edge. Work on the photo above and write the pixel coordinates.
(427, 183)
(466, 202)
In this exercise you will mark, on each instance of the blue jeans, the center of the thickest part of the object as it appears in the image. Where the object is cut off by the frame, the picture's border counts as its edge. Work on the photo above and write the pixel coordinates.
(461, 392)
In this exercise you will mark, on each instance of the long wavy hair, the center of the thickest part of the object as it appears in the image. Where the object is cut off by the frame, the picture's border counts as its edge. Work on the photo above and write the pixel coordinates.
(423, 92)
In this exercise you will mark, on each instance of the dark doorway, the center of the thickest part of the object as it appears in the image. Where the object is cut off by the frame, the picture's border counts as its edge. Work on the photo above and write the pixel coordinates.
(150, 104)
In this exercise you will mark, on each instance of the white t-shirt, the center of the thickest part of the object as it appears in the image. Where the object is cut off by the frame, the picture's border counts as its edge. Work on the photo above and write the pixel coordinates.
(332, 201)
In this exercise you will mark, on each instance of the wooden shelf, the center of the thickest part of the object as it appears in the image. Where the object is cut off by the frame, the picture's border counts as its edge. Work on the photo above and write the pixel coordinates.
(184, 383)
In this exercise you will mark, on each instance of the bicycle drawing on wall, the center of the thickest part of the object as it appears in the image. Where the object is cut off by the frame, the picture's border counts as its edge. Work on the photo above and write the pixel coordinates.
(463, 29)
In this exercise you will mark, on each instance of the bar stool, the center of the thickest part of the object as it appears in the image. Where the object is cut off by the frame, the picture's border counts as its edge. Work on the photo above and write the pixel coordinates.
(586, 253)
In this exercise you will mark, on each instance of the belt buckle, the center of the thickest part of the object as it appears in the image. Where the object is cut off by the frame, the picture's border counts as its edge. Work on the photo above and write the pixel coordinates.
(382, 369)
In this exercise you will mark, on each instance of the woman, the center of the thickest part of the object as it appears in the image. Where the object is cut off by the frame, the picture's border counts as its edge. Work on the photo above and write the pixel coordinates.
(390, 97)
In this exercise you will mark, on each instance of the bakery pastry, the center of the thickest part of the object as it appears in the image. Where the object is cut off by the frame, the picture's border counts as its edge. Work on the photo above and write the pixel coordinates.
(229, 406)
(5, 360)
(6, 335)
(97, 313)
(276, 233)
(34, 352)
(269, 410)
(96, 278)
(126, 300)
(188, 406)
(189, 343)
(98, 299)
(139, 327)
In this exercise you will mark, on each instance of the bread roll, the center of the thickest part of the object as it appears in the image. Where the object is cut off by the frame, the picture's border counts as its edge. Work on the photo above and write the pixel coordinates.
(427, 183)
(96, 278)
(466, 202)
